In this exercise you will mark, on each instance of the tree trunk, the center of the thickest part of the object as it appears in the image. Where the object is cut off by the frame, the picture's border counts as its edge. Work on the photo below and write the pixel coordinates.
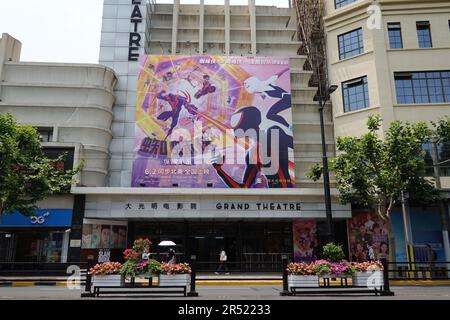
(391, 237)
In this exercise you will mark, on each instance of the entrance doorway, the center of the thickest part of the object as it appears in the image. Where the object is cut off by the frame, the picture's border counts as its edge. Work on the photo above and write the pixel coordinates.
(207, 251)
(250, 245)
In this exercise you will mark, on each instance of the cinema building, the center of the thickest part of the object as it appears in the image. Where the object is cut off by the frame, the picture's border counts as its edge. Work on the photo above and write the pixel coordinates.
(172, 73)
(203, 214)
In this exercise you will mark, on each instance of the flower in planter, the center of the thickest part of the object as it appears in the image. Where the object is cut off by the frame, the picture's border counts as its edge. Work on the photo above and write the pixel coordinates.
(154, 267)
(367, 266)
(177, 268)
(342, 268)
(129, 269)
(142, 246)
(301, 269)
(322, 267)
(106, 268)
(131, 255)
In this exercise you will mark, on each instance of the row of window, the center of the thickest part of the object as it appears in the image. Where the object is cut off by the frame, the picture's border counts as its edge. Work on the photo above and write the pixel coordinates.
(411, 88)
(352, 43)
(341, 3)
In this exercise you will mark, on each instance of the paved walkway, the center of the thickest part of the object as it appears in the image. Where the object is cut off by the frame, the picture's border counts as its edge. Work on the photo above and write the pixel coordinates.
(249, 292)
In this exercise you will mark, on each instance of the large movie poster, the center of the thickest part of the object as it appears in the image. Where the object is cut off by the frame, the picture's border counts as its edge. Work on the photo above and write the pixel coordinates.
(213, 121)
(305, 240)
(368, 237)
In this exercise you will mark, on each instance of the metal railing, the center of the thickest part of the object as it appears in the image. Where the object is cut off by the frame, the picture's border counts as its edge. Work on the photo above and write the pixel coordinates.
(37, 269)
(418, 271)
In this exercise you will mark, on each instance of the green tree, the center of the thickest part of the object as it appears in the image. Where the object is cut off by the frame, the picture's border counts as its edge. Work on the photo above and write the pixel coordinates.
(26, 174)
(372, 172)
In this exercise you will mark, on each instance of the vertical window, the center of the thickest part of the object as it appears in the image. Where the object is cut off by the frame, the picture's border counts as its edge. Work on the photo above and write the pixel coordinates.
(355, 94)
(422, 87)
(424, 34)
(46, 134)
(351, 44)
(395, 36)
(341, 3)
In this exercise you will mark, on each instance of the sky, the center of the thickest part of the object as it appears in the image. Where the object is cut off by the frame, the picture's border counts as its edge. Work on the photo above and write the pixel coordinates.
(67, 30)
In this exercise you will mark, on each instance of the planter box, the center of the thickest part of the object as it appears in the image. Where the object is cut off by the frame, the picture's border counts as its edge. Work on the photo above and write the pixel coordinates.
(303, 281)
(368, 279)
(110, 280)
(174, 280)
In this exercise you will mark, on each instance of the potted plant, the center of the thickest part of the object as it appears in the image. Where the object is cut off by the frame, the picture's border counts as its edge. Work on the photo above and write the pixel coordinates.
(178, 274)
(368, 274)
(333, 252)
(302, 275)
(135, 262)
(106, 274)
(322, 268)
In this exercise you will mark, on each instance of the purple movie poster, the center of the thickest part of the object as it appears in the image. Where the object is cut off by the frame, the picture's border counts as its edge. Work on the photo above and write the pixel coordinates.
(213, 121)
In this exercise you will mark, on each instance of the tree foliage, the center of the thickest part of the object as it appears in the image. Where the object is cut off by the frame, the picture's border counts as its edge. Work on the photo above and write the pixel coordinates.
(26, 174)
(373, 172)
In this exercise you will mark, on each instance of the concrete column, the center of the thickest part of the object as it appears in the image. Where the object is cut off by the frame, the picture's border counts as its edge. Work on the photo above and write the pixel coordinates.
(176, 9)
(227, 27)
(252, 11)
(201, 27)
(65, 247)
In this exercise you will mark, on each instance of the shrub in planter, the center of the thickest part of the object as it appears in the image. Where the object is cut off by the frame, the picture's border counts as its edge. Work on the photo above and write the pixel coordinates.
(129, 269)
(333, 252)
(302, 275)
(154, 267)
(322, 267)
(106, 274)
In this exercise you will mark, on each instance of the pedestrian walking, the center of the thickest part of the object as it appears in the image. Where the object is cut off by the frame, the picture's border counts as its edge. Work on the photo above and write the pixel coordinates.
(172, 256)
(223, 262)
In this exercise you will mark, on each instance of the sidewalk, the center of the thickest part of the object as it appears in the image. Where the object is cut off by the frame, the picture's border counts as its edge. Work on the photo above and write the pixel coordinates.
(203, 279)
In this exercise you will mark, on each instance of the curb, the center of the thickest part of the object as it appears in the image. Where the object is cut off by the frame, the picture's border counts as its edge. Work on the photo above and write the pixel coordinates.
(215, 283)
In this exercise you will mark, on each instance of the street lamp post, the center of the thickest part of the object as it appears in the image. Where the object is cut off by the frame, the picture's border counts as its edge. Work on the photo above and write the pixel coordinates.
(326, 175)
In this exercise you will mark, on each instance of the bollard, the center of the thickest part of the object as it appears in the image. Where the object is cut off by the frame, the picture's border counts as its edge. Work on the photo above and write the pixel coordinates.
(193, 264)
(88, 285)
(285, 292)
(386, 288)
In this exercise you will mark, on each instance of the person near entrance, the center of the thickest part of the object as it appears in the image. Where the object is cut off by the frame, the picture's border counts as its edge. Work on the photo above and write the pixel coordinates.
(223, 262)
(172, 256)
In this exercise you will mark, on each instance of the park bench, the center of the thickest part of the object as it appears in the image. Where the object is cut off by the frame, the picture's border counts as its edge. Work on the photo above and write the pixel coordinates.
(126, 290)
(327, 287)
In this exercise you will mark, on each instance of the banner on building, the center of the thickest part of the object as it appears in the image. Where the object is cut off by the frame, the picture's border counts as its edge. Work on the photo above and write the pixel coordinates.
(368, 237)
(213, 121)
(304, 234)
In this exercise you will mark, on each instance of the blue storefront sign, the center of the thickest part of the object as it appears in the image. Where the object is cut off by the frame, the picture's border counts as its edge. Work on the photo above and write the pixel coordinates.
(42, 218)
